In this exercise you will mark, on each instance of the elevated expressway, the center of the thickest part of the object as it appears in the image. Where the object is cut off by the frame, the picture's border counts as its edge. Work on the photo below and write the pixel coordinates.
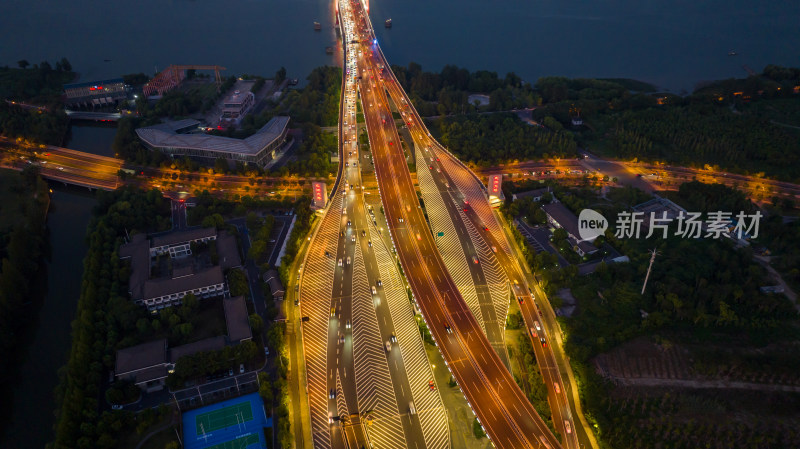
(501, 406)
(366, 368)
(458, 185)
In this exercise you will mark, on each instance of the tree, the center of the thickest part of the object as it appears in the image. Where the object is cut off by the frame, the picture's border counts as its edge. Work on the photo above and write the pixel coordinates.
(65, 65)
(256, 323)
(23, 63)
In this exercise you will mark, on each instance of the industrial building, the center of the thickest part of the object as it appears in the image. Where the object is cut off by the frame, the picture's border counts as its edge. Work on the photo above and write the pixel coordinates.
(257, 149)
(95, 93)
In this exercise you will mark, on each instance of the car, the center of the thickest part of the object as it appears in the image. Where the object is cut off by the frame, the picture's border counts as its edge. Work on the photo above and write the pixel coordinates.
(430, 167)
(466, 209)
(437, 159)
(340, 261)
(419, 237)
(341, 233)
(230, 372)
(447, 184)
(369, 243)
(341, 339)
(117, 407)
(543, 341)
(556, 387)
(438, 170)
(534, 334)
(494, 249)
(388, 346)
(346, 164)
(266, 350)
(363, 233)
(348, 325)
(333, 311)
(348, 260)
(379, 282)
(393, 338)
(486, 228)
(352, 238)
(448, 329)
(567, 426)
(466, 203)
(538, 326)
(241, 368)
(348, 223)
(400, 219)
(327, 254)
(411, 409)
(520, 299)
(374, 291)
(408, 208)
(332, 394)
(431, 385)
(474, 260)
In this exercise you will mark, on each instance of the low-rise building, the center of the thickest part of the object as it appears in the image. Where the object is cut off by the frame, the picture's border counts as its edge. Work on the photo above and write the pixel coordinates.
(95, 93)
(257, 149)
(166, 291)
(236, 107)
(559, 216)
(535, 195)
(275, 287)
(237, 320)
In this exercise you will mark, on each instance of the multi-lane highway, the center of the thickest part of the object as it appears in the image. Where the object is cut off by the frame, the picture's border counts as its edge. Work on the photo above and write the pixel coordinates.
(501, 406)
(369, 383)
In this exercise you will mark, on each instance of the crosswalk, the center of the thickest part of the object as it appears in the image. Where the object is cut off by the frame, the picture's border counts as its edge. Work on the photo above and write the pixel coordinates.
(315, 297)
(430, 409)
(449, 244)
(373, 379)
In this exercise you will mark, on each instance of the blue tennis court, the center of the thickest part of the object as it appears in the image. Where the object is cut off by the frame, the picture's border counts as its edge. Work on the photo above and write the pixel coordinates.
(233, 424)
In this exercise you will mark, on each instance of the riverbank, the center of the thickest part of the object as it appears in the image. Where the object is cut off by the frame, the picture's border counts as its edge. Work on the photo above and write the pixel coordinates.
(49, 334)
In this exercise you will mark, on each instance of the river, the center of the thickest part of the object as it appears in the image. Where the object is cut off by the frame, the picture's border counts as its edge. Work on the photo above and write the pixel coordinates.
(671, 43)
(32, 421)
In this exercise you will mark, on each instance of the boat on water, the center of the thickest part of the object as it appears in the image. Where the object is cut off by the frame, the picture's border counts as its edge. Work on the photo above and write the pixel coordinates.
(388, 23)
(329, 50)
(317, 26)
(732, 53)
(293, 82)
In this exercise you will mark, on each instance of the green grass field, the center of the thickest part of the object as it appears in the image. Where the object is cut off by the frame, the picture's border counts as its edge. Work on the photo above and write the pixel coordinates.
(238, 443)
(224, 417)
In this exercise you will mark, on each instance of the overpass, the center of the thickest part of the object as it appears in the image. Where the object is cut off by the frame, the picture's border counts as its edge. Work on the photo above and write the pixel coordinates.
(101, 172)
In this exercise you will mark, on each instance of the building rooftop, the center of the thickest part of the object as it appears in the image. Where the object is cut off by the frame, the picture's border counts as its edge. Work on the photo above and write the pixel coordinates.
(564, 217)
(139, 252)
(161, 138)
(228, 251)
(174, 238)
(93, 83)
(236, 100)
(155, 288)
(208, 344)
(532, 193)
(236, 319)
(145, 355)
(587, 247)
(273, 280)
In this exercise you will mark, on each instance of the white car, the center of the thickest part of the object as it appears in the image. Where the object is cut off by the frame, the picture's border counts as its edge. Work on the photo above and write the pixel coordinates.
(340, 262)
(388, 346)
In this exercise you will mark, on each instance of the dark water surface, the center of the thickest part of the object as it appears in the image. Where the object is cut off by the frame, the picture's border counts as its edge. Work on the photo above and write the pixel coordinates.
(32, 421)
(671, 43)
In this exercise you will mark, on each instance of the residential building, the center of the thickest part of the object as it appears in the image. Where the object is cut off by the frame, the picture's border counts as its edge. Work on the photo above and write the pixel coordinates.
(275, 287)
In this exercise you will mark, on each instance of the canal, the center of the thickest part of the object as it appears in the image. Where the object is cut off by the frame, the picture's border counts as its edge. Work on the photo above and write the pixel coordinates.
(32, 423)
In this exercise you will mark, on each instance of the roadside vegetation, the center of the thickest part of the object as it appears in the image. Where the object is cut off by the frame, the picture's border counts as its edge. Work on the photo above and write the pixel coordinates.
(492, 138)
(103, 317)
